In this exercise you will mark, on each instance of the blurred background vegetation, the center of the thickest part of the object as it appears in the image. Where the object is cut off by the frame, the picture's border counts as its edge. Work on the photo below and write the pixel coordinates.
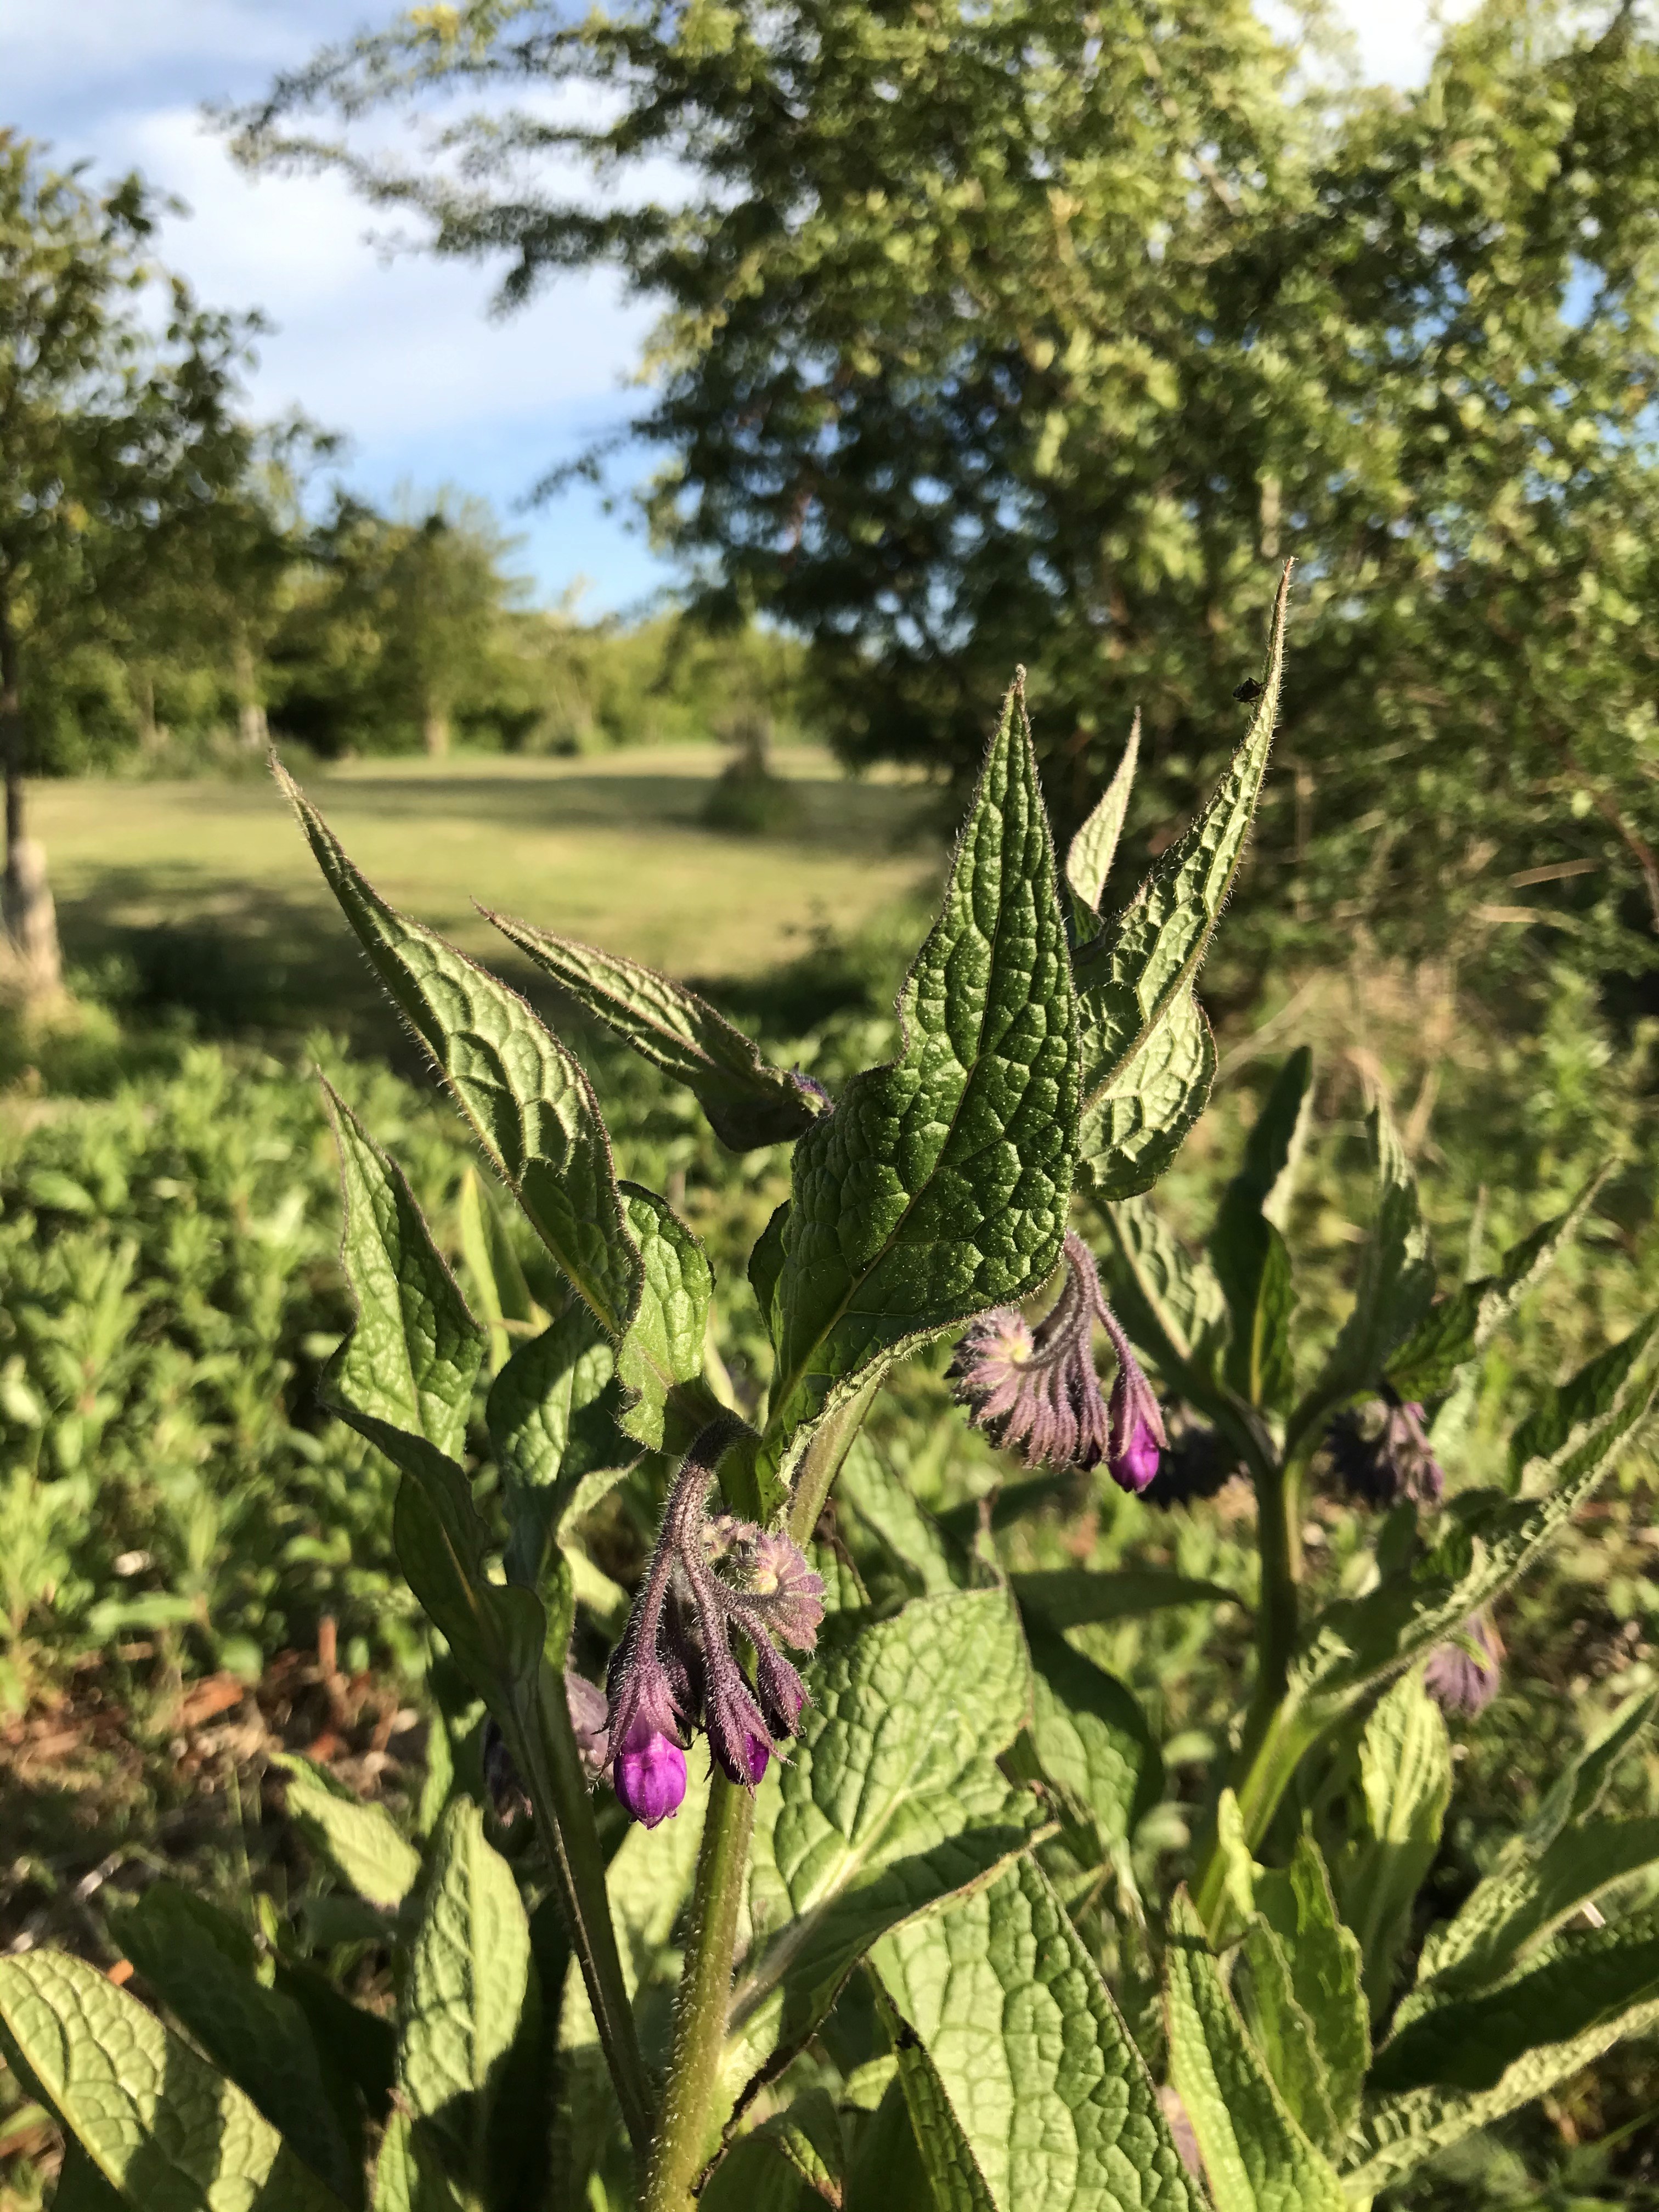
(992, 333)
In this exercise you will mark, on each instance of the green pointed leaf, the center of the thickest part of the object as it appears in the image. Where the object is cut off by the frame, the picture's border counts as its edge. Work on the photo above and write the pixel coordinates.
(1246, 1249)
(952, 2176)
(1459, 1327)
(868, 1488)
(940, 1184)
(1405, 1786)
(1088, 857)
(360, 1839)
(1356, 1643)
(204, 1968)
(766, 1266)
(1090, 1741)
(1076, 1597)
(551, 1416)
(1578, 1789)
(407, 2175)
(499, 1287)
(1135, 980)
(1396, 1282)
(747, 1101)
(1256, 2157)
(888, 1800)
(1509, 1914)
(468, 1970)
(794, 2159)
(496, 1632)
(1051, 2102)
(1285, 2035)
(1327, 1971)
(1590, 1975)
(1582, 1406)
(1170, 1302)
(414, 1352)
(663, 1345)
(530, 1106)
(160, 2123)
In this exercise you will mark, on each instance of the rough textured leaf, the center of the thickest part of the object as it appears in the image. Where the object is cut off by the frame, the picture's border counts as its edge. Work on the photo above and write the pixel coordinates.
(1405, 1786)
(1250, 1254)
(748, 1103)
(890, 1801)
(794, 2159)
(468, 1970)
(407, 2175)
(1326, 1970)
(1088, 857)
(1591, 1975)
(161, 2123)
(500, 1290)
(940, 1185)
(1075, 1597)
(1356, 1643)
(1285, 2035)
(530, 1106)
(1049, 2097)
(1138, 1117)
(204, 1968)
(952, 2176)
(1397, 1280)
(1460, 1326)
(1090, 1740)
(1509, 1914)
(414, 1352)
(360, 1839)
(1577, 1790)
(868, 1488)
(1135, 980)
(1256, 2157)
(663, 1345)
(1582, 1406)
(1169, 1302)
(496, 1632)
(551, 1416)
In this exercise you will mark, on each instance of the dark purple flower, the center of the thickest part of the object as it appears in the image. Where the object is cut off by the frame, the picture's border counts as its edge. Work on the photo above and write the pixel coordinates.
(1381, 1451)
(1195, 1463)
(1036, 1389)
(676, 1667)
(1462, 1676)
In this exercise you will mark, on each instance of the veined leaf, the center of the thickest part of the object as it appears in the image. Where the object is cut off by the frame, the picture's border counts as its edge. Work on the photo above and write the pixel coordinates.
(1135, 978)
(499, 1287)
(1285, 2035)
(868, 1488)
(1581, 1406)
(1509, 1913)
(530, 1106)
(1090, 1740)
(1459, 1327)
(890, 1801)
(1577, 1791)
(360, 1839)
(795, 2158)
(1396, 1282)
(1357, 1641)
(1138, 1117)
(663, 1345)
(747, 1101)
(414, 1352)
(1049, 2099)
(1169, 1302)
(940, 1184)
(469, 1967)
(952, 2178)
(551, 1416)
(204, 1969)
(1248, 1250)
(1256, 2157)
(1325, 1967)
(1076, 1597)
(1088, 857)
(1405, 1786)
(160, 2123)
(1592, 1975)
(407, 2176)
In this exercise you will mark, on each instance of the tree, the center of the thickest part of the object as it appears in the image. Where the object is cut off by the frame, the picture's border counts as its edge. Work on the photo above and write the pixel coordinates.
(1002, 330)
(108, 434)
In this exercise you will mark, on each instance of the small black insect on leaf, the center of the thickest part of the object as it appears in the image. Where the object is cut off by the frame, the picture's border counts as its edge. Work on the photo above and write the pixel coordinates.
(1248, 690)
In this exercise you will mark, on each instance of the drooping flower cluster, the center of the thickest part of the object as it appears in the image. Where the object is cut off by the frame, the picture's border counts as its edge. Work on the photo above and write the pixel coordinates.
(1462, 1676)
(1036, 1391)
(1381, 1451)
(676, 1667)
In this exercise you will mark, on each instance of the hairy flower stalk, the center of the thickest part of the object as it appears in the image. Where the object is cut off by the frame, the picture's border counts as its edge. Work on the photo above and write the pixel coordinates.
(1036, 1391)
(676, 1669)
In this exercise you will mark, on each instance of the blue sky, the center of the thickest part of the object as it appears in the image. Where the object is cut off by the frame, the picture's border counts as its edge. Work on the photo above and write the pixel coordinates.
(399, 354)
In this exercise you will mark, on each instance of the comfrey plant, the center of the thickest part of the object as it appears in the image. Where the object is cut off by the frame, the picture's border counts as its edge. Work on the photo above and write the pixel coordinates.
(818, 1898)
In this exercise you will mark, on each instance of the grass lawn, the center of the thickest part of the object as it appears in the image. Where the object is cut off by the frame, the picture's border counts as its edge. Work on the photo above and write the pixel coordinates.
(208, 887)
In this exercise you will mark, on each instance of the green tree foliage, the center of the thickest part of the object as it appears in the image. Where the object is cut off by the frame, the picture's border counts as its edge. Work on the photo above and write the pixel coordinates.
(1019, 329)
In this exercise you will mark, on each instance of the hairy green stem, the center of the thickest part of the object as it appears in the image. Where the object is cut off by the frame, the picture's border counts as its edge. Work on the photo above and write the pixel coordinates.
(704, 1995)
(552, 1768)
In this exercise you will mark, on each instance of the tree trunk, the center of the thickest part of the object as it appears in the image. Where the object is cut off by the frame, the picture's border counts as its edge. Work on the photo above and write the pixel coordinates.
(436, 730)
(25, 902)
(251, 722)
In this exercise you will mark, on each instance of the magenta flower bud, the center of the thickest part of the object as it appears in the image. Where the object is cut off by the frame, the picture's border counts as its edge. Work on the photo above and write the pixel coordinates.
(1136, 1432)
(649, 1774)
